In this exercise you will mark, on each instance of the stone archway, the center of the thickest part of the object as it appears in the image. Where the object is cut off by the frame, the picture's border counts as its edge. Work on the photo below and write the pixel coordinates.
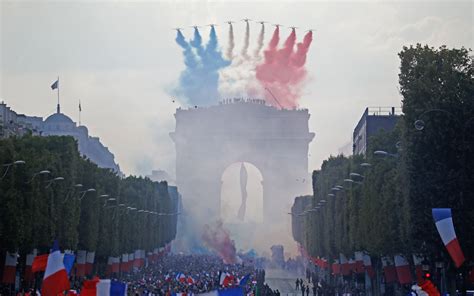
(209, 139)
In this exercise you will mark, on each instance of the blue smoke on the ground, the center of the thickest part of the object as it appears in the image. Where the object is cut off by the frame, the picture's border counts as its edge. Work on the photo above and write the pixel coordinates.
(198, 83)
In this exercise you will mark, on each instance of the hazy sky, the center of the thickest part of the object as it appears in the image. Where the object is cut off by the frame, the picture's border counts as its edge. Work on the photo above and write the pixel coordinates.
(120, 59)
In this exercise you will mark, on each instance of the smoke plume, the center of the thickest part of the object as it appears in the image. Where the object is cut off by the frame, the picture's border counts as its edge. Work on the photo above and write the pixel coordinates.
(282, 70)
(198, 83)
(218, 239)
(246, 41)
(261, 36)
(299, 58)
(238, 80)
(231, 46)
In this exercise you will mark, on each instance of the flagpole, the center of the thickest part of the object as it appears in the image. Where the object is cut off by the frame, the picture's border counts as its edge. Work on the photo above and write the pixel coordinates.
(59, 110)
(80, 109)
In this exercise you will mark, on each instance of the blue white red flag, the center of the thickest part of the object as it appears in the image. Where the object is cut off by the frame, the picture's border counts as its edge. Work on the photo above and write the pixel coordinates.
(444, 223)
(105, 287)
(237, 291)
(243, 281)
(55, 278)
(180, 277)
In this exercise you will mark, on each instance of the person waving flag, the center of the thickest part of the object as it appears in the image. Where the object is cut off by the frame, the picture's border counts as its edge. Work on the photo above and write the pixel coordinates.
(55, 278)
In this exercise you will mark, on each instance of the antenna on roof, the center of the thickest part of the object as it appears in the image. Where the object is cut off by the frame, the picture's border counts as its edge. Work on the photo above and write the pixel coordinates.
(274, 97)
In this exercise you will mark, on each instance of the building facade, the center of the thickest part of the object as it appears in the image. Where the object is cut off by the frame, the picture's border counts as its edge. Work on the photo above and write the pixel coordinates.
(57, 124)
(373, 120)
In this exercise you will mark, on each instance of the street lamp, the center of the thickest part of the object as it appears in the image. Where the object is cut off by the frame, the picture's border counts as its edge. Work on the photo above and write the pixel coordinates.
(43, 173)
(385, 153)
(71, 192)
(8, 165)
(108, 199)
(50, 182)
(420, 124)
(85, 192)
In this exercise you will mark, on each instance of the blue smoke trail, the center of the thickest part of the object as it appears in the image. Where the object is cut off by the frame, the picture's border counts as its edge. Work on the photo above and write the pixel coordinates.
(198, 83)
(189, 57)
(197, 42)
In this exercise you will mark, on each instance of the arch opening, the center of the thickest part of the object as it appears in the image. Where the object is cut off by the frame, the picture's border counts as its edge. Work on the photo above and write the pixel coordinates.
(241, 194)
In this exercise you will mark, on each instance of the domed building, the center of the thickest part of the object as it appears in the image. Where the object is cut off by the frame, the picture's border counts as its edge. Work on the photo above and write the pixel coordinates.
(59, 124)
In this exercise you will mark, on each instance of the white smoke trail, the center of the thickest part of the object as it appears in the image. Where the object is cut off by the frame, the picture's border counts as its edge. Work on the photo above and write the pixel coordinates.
(246, 41)
(238, 80)
(260, 41)
(230, 49)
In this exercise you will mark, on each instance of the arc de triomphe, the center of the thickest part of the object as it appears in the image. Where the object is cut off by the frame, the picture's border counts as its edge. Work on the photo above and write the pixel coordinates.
(209, 139)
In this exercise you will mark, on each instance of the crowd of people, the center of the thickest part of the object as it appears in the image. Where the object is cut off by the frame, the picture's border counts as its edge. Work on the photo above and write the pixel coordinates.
(175, 274)
(190, 274)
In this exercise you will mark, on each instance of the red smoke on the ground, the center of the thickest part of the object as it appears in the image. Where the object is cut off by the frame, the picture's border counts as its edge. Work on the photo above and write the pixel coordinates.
(218, 239)
(282, 70)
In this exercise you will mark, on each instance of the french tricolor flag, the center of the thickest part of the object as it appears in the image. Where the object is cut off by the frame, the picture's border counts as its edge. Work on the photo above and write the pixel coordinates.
(417, 260)
(81, 263)
(124, 264)
(131, 259)
(90, 262)
(226, 279)
(359, 262)
(389, 270)
(136, 260)
(445, 226)
(55, 278)
(97, 287)
(190, 280)
(368, 266)
(9, 271)
(29, 276)
(180, 277)
(403, 270)
(336, 267)
(345, 268)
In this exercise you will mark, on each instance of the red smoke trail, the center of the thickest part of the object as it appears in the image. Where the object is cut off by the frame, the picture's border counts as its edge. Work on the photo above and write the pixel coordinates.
(282, 70)
(283, 59)
(299, 58)
(218, 239)
(285, 53)
(270, 53)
